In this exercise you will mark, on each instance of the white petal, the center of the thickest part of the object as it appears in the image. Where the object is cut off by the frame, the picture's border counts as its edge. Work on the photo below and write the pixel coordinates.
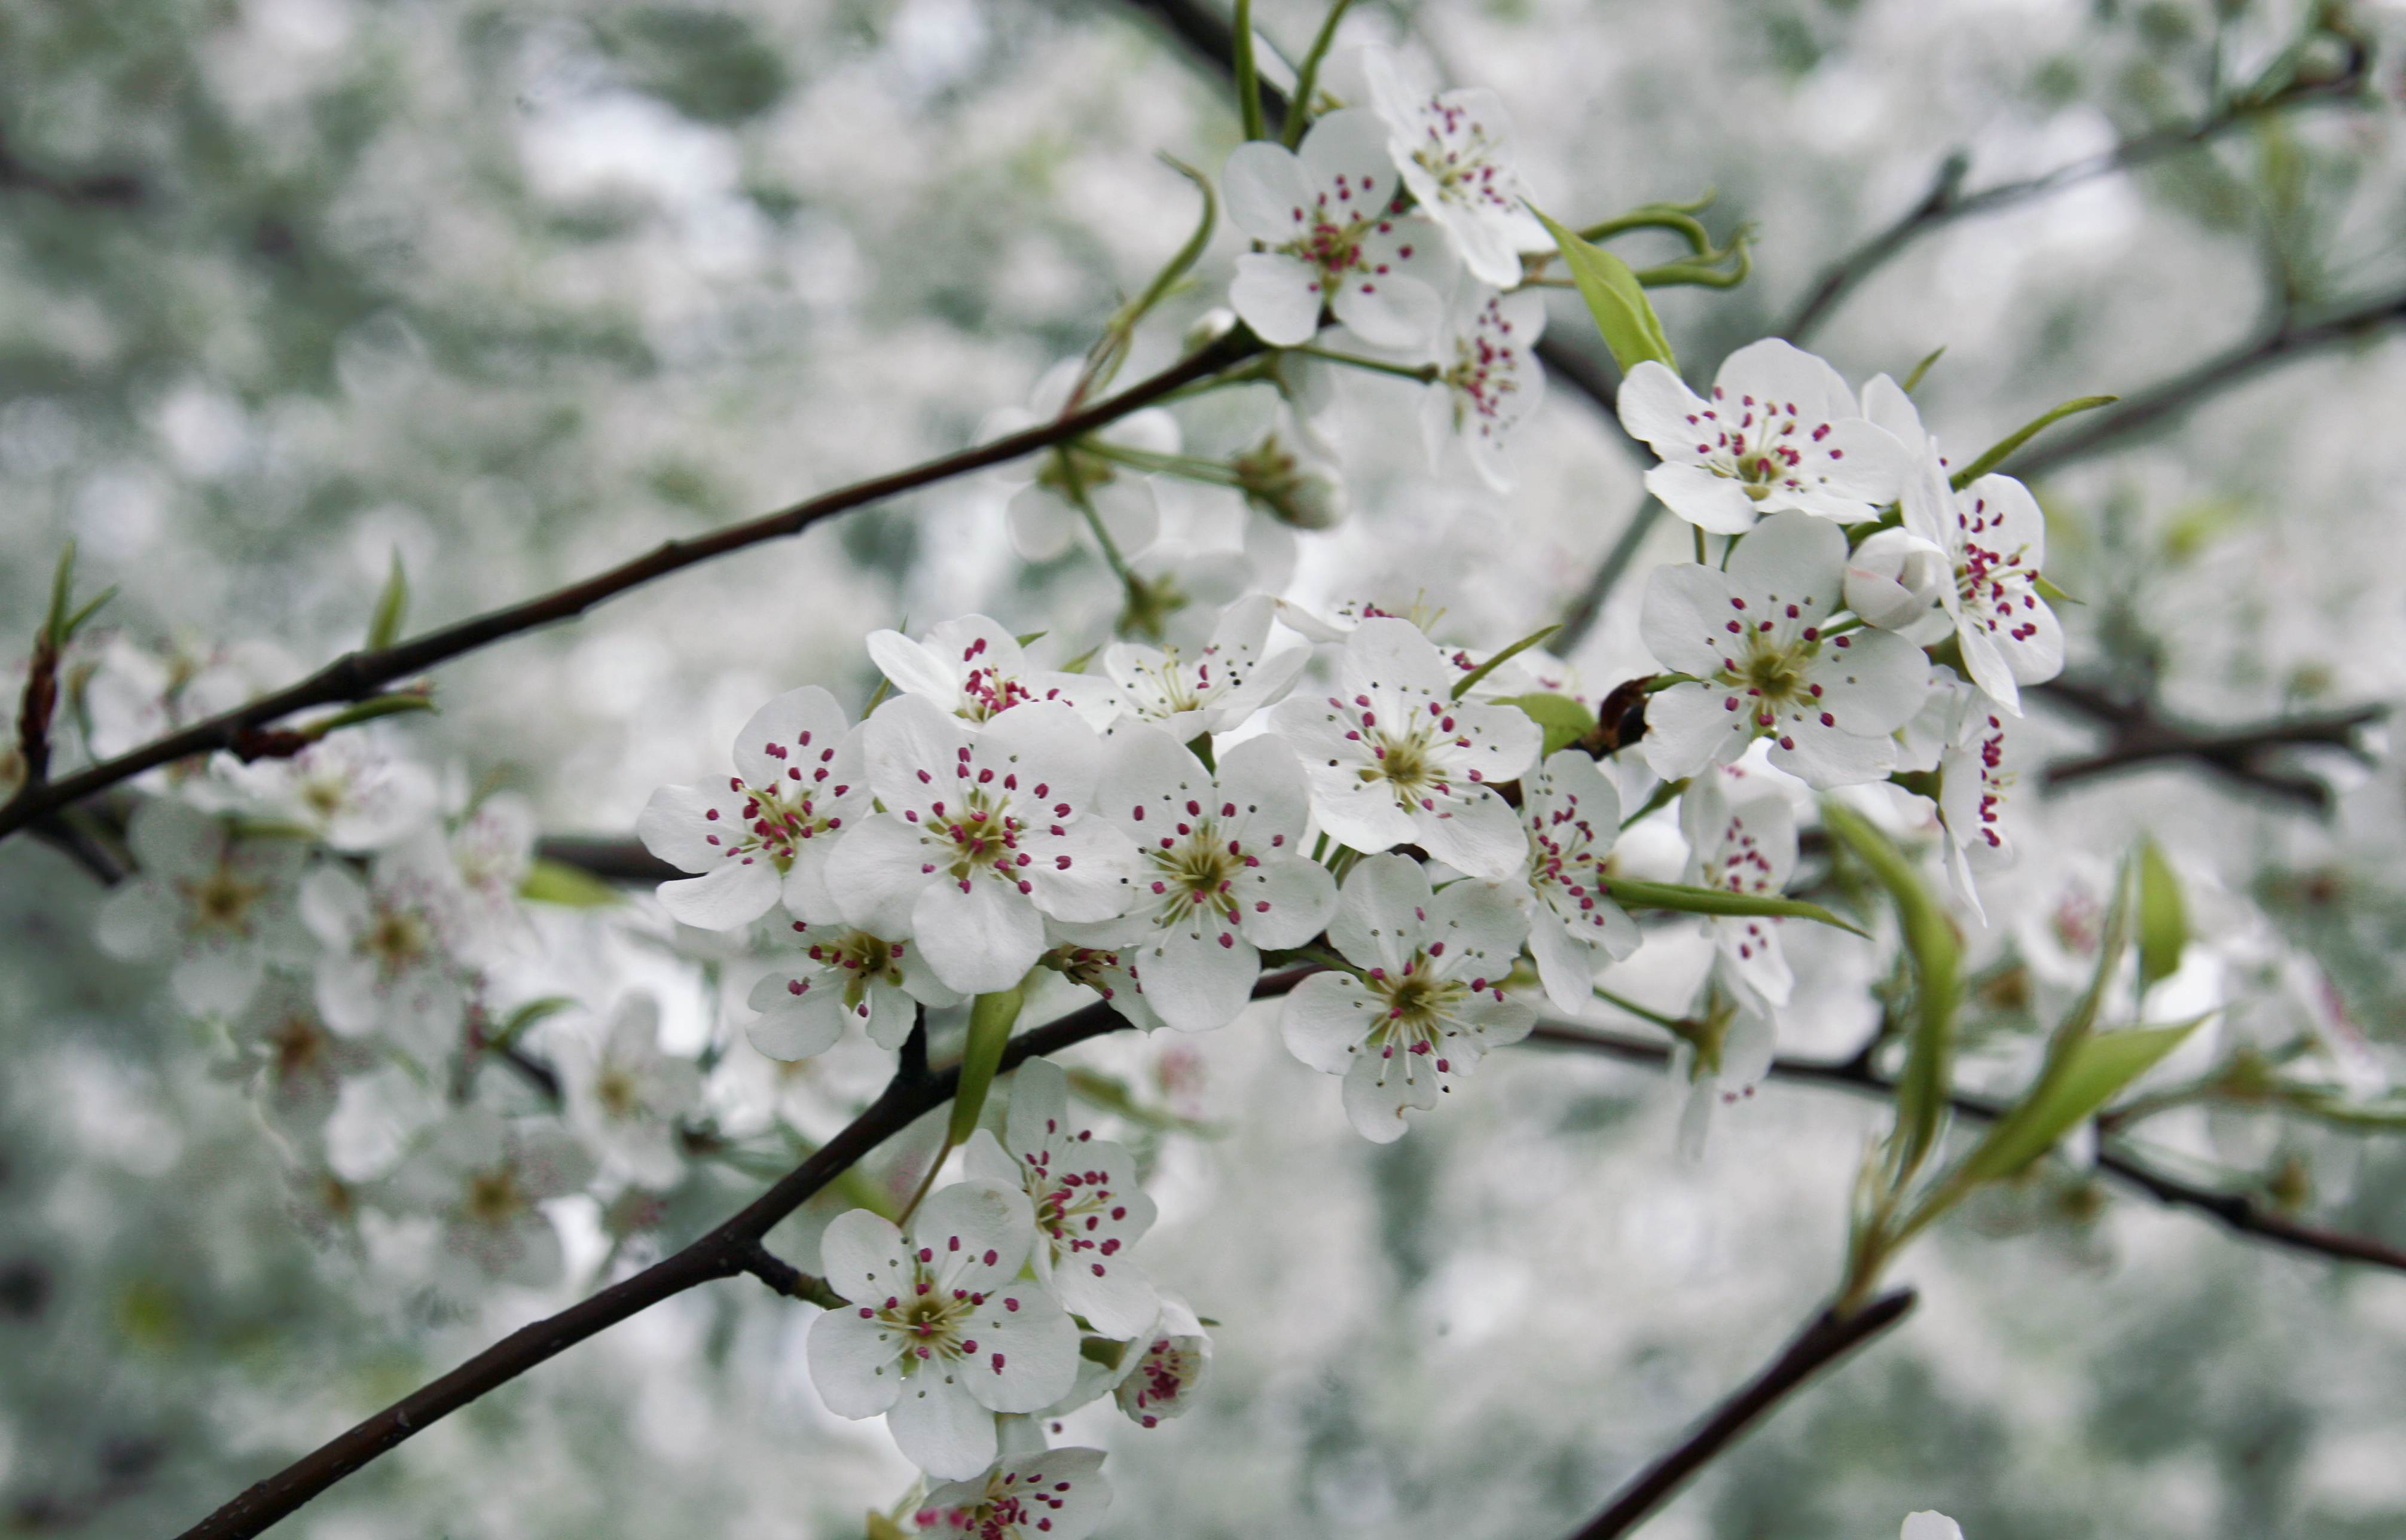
(1389, 310)
(1266, 188)
(913, 667)
(1382, 912)
(1657, 406)
(1688, 726)
(1042, 526)
(780, 732)
(675, 826)
(808, 1026)
(1082, 874)
(873, 875)
(739, 891)
(1790, 555)
(1027, 1359)
(1375, 1102)
(1477, 833)
(1286, 901)
(1194, 982)
(980, 1228)
(939, 1428)
(862, 1258)
(1278, 297)
(855, 1363)
(1686, 617)
(1566, 962)
(1349, 145)
(979, 941)
(1325, 1020)
(1714, 503)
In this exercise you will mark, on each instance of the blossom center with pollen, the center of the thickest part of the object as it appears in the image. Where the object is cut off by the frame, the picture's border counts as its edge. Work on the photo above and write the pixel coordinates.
(1760, 445)
(1195, 869)
(221, 901)
(493, 1197)
(861, 960)
(297, 1044)
(976, 832)
(397, 941)
(617, 1092)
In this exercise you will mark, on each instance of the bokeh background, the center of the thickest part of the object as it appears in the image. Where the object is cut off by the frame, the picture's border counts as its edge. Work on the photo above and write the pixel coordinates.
(516, 290)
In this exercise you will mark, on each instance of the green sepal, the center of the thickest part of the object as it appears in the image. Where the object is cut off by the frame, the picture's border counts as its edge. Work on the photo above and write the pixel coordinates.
(991, 1018)
(1564, 720)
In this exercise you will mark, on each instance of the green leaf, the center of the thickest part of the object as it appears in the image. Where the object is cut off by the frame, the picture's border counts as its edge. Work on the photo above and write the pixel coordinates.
(2047, 590)
(2163, 917)
(991, 1018)
(1922, 367)
(1563, 719)
(1462, 686)
(91, 607)
(1998, 451)
(391, 608)
(571, 887)
(2086, 1076)
(54, 624)
(2082, 1019)
(1631, 894)
(515, 1025)
(1937, 956)
(1029, 638)
(1622, 311)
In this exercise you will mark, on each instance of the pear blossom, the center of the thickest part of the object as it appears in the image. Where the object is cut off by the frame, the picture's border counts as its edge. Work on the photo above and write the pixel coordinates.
(1781, 430)
(1488, 377)
(492, 849)
(984, 833)
(1290, 482)
(1046, 516)
(1221, 870)
(1930, 1525)
(845, 973)
(1429, 1000)
(1089, 1209)
(1972, 786)
(1335, 238)
(1995, 539)
(1455, 150)
(939, 1332)
(1175, 597)
(1726, 1057)
(1897, 581)
(292, 1061)
(1110, 971)
(1059, 1494)
(625, 1095)
(351, 790)
(1393, 758)
(1767, 663)
(485, 1179)
(1220, 687)
(1159, 1382)
(222, 906)
(1741, 836)
(976, 670)
(765, 836)
(387, 964)
(1573, 816)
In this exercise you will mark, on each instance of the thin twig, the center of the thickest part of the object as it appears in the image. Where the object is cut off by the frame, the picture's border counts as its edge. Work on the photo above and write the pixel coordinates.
(1825, 1339)
(612, 860)
(2237, 1211)
(356, 675)
(734, 1246)
(2249, 754)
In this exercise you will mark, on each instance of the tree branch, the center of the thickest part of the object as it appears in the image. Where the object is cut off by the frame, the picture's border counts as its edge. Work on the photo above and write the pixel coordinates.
(1946, 201)
(2236, 1211)
(735, 1247)
(1825, 1339)
(358, 675)
(612, 860)
(2140, 733)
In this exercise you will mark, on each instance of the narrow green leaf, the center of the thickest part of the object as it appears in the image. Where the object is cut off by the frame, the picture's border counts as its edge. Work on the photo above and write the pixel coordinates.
(1622, 311)
(991, 1018)
(2082, 1019)
(513, 1026)
(1631, 894)
(1930, 941)
(397, 703)
(2163, 916)
(2091, 1073)
(1029, 638)
(2324, 1105)
(1462, 686)
(1563, 719)
(55, 624)
(1922, 367)
(571, 887)
(91, 607)
(391, 608)
(2047, 590)
(1998, 451)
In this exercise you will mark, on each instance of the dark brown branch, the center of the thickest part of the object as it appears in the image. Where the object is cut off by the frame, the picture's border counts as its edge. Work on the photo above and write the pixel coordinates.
(2236, 1211)
(2285, 341)
(356, 675)
(1946, 201)
(1826, 1338)
(2250, 756)
(733, 1247)
(612, 860)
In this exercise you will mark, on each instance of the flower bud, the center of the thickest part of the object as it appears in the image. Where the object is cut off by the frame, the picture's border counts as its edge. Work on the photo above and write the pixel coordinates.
(1209, 328)
(1894, 581)
(1275, 481)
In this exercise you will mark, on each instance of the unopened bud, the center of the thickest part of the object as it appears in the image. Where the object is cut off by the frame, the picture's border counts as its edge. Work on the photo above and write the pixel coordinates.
(1209, 328)
(1896, 580)
(1278, 482)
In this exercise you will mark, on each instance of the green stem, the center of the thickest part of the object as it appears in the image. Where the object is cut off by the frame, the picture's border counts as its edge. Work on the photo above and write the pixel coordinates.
(1187, 467)
(1249, 85)
(1103, 538)
(1425, 373)
(1307, 79)
(1621, 1002)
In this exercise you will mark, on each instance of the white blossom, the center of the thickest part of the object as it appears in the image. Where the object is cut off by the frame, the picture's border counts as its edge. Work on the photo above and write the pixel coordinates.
(388, 965)
(1742, 839)
(975, 669)
(1429, 1000)
(1221, 871)
(1455, 149)
(1754, 639)
(1488, 380)
(938, 1332)
(1059, 1494)
(984, 834)
(1044, 514)
(1089, 1209)
(1215, 690)
(292, 1061)
(222, 906)
(625, 1095)
(1393, 758)
(492, 849)
(1782, 430)
(1930, 1525)
(1334, 238)
(843, 973)
(353, 790)
(1972, 786)
(765, 836)
(1572, 815)
(485, 1179)
(1995, 539)
(1159, 1379)
(1897, 581)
